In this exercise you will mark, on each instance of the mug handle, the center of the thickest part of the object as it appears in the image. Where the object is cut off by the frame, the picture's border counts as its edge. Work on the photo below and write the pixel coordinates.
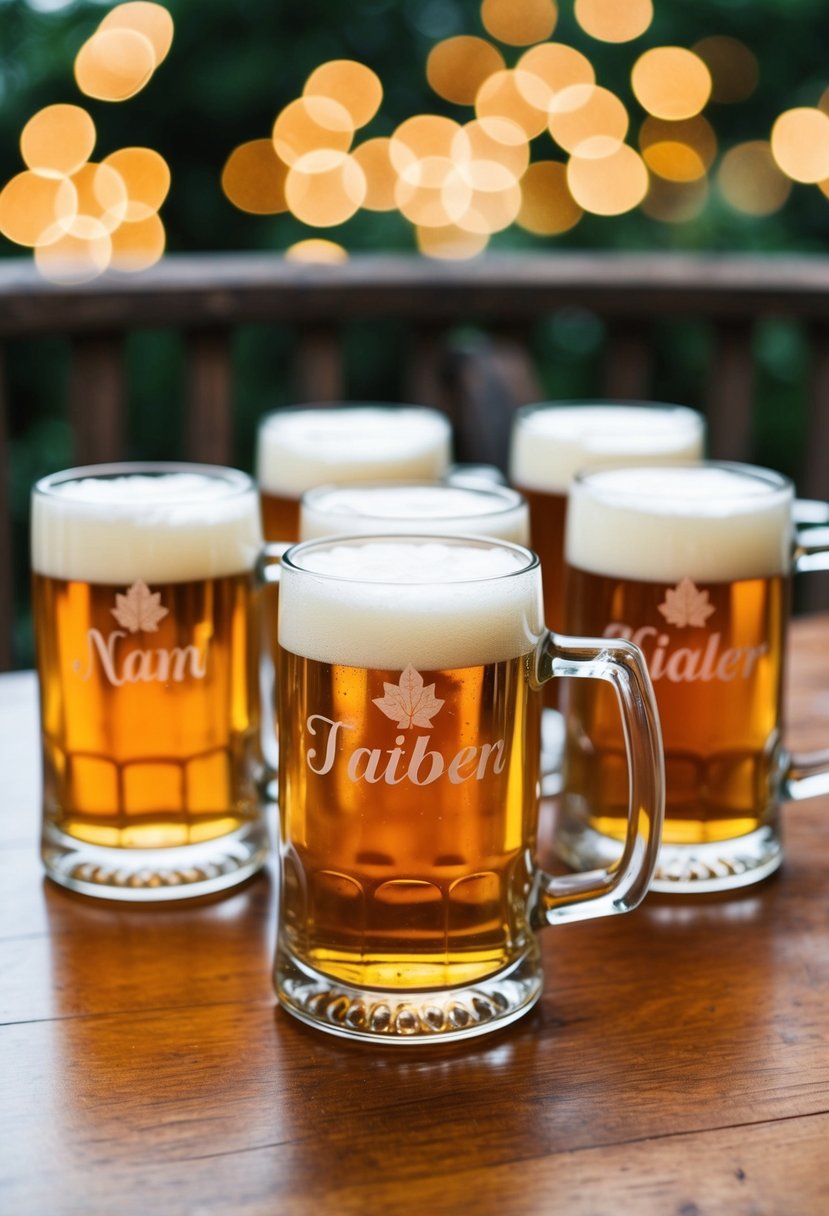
(268, 568)
(624, 884)
(807, 773)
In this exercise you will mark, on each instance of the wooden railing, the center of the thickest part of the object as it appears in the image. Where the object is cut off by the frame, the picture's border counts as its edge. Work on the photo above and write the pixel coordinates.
(207, 299)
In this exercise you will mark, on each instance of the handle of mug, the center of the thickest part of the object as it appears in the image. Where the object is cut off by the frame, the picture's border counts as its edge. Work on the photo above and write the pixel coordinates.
(269, 561)
(807, 773)
(268, 569)
(623, 885)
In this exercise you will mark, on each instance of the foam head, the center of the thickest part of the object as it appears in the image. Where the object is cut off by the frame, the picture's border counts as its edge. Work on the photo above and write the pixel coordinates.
(113, 524)
(441, 509)
(551, 443)
(707, 522)
(301, 448)
(384, 602)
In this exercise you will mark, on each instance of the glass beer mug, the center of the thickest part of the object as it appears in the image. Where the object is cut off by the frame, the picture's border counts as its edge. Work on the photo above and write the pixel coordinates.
(307, 446)
(409, 710)
(444, 509)
(147, 658)
(692, 563)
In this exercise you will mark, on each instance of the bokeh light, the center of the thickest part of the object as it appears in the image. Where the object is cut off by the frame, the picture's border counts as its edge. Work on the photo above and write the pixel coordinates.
(588, 120)
(424, 137)
(253, 178)
(800, 144)
(325, 188)
(678, 151)
(146, 176)
(614, 20)
(311, 124)
(491, 155)
(441, 197)
(457, 67)
(138, 246)
(74, 259)
(355, 87)
(544, 71)
(374, 159)
(750, 181)
(36, 210)
(151, 20)
(671, 82)
(114, 64)
(450, 243)
(316, 250)
(733, 67)
(608, 185)
(675, 202)
(519, 22)
(547, 206)
(102, 201)
(491, 211)
(501, 97)
(58, 140)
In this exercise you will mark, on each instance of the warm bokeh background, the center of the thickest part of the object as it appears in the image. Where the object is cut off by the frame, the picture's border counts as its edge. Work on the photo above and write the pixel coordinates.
(692, 149)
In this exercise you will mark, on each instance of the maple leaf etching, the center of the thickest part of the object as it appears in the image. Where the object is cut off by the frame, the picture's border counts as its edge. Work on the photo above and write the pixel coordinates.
(409, 702)
(140, 609)
(686, 605)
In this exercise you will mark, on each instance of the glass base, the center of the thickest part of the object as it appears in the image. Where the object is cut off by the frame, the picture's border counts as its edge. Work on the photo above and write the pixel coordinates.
(407, 1017)
(692, 869)
(143, 875)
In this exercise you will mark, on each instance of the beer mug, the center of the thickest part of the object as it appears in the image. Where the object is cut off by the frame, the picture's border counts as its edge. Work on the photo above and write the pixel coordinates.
(442, 508)
(693, 564)
(308, 446)
(147, 658)
(553, 441)
(409, 670)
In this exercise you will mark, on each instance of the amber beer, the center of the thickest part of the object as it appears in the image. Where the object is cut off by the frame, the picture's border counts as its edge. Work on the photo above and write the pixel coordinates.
(409, 716)
(692, 564)
(147, 661)
(385, 507)
(552, 442)
(310, 446)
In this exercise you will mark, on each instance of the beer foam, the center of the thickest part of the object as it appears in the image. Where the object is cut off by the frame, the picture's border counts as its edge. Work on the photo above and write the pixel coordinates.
(709, 523)
(387, 603)
(551, 444)
(164, 527)
(301, 448)
(434, 507)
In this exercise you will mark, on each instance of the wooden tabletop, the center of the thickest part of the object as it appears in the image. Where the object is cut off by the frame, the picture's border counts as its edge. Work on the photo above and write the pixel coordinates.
(678, 1062)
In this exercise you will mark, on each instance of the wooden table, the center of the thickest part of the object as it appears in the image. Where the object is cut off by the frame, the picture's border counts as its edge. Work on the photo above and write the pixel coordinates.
(677, 1064)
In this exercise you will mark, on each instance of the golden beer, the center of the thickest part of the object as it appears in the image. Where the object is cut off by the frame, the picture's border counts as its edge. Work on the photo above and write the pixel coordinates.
(692, 564)
(395, 507)
(144, 603)
(407, 865)
(300, 448)
(409, 716)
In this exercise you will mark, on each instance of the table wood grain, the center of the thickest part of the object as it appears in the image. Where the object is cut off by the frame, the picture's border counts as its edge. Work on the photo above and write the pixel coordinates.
(677, 1064)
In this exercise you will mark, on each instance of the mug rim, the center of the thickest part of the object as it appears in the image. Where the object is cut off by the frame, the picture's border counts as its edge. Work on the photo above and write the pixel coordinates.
(775, 481)
(298, 550)
(511, 499)
(267, 418)
(238, 482)
(604, 403)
